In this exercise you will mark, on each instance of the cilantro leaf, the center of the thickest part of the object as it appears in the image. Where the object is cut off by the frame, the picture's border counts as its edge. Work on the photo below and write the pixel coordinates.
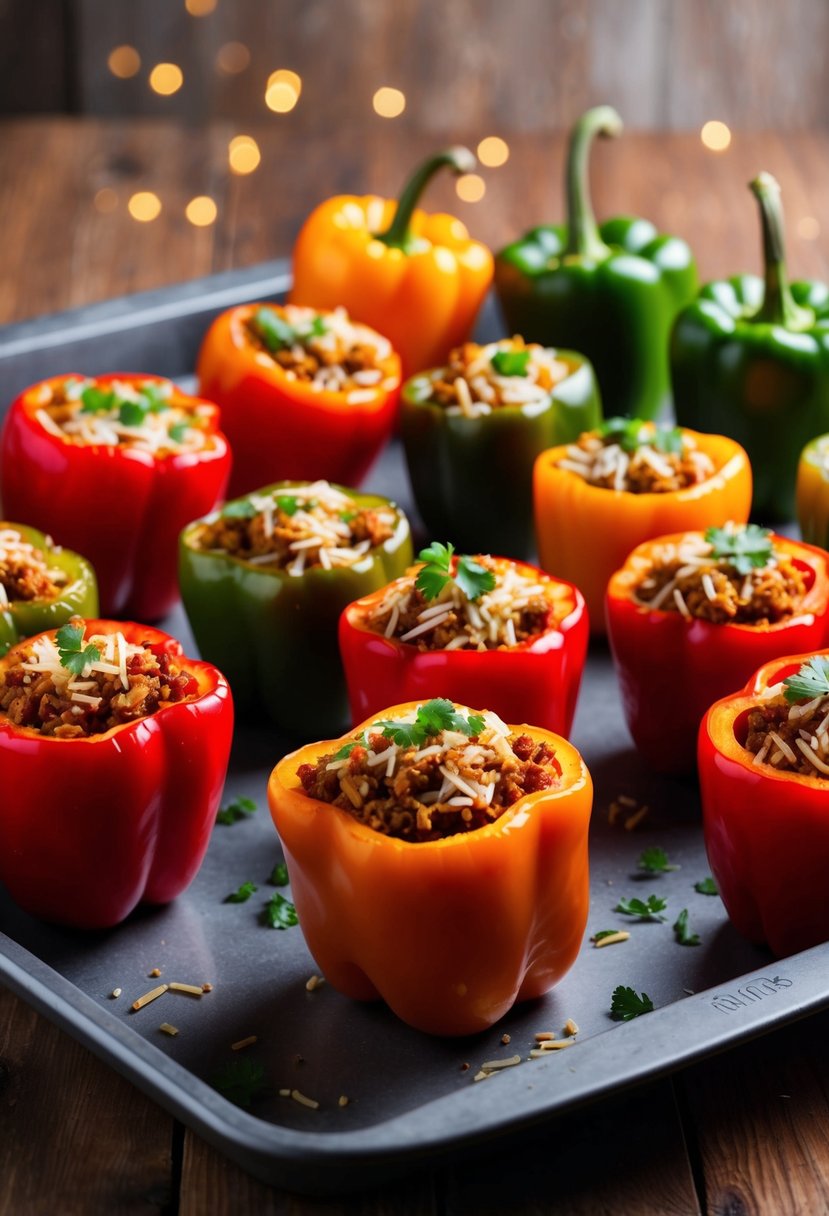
(240, 1081)
(706, 886)
(473, 578)
(632, 434)
(437, 570)
(812, 680)
(626, 1004)
(317, 327)
(131, 413)
(667, 440)
(242, 508)
(346, 750)
(178, 431)
(279, 875)
(432, 717)
(243, 894)
(597, 937)
(655, 861)
(96, 400)
(279, 912)
(278, 333)
(683, 933)
(745, 548)
(238, 809)
(643, 910)
(153, 398)
(287, 503)
(511, 362)
(73, 655)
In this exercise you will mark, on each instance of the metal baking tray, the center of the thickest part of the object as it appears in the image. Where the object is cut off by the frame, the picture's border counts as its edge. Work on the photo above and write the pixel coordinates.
(410, 1096)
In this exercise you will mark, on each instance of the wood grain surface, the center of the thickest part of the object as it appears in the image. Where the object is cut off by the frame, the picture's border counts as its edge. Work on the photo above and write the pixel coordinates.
(744, 1134)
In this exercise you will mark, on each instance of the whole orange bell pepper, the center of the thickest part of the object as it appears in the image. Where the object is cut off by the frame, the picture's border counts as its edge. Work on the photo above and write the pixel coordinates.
(586, 532)
(418, 279)
(450, 932)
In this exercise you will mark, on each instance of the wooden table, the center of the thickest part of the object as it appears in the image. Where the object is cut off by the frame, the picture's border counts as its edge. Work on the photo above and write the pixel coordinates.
(746, 1132)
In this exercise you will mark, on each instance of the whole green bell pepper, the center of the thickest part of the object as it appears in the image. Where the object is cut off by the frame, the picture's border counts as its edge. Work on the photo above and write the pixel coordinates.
(77, 596)
(274, 634)
(472, 477)
(750, 359)
(611, 291)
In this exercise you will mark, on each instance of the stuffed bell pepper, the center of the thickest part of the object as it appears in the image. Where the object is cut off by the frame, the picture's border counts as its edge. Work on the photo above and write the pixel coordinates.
(113, 751)
(303, 394)
(476, 629)
(750, 359)
(691, 616)
(764, 780)
(114, 467)
(472, 430)
(264, 581)
(41, 584)
(417, 278)
(438, 859)
(627, 482)
(611, 291)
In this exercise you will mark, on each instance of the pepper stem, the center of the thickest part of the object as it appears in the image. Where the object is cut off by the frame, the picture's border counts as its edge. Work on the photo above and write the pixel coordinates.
(778, 307)
(583, 238)
(397, 235)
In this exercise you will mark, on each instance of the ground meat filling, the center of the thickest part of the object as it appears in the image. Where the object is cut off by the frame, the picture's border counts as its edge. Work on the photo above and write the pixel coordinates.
(297, 528)
(24, 573)
(688, 579)
(603, 462)
(326, 350)
(126, 682)
(480, 379)
(451, 784)
(792, 738)
(522, 605)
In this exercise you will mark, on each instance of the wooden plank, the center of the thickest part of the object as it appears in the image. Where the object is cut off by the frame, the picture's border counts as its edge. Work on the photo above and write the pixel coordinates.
(74, 1137)
(761, 1120)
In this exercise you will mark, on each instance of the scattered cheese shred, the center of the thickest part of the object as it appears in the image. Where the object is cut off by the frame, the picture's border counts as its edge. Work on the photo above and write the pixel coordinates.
(150, 996)
(190, 989)
(304, 1100)
(611, 939)
(242, 1043)
(168, 1029)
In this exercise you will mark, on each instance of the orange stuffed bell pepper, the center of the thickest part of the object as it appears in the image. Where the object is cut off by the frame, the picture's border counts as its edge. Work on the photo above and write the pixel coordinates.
(417, 278)
(438, 859)
(626, 483)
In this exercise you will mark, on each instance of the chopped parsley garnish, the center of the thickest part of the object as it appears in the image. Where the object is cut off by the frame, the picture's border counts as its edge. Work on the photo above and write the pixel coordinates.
(655, 861)
(626, 1004)
(242, 508)
(240, 1081)
(96, 400)
(277, 333)
(472, 578)
(131, 413)
(432, 718)
(632, 434)
(151, 399)
(346, 750)
(238, 809)
(243, 894)
(746, 549)
(812, 680)
(178, 432)
(511, 362)
(73, 655)
(287, 503)
(279, 875)
(597, 937)
(643, 909)
(279, 912)
(683, 932)
(706, 886)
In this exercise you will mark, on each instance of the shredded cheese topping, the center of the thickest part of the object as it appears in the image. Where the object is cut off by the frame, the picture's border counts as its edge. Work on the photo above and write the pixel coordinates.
(471, 385)
(644, 471)
(24, 574)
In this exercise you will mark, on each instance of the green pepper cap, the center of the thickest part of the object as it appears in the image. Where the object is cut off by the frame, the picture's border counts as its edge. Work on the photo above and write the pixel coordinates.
(583, 238)
(778, 307)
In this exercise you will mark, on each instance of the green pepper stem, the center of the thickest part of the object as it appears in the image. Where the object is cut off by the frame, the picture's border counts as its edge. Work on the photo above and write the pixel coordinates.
(583, 238)
(778, 307)
(397, 235)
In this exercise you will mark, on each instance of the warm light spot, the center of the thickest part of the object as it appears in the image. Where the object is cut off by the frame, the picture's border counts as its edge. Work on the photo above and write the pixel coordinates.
(144, 206)
(243, 154)
(124, 61)
(286, 76)
(201, 211)
(715, 135)
(470, 187)
(200, 8)
(376, 249)
(808, 228)
(105, 200)
(493, 151)
(232, 58)
(166, 78)
(282, 93)
(389, 103)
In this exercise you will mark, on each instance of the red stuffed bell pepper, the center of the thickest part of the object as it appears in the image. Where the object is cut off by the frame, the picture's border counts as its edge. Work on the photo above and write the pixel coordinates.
(480, 630)
(691, 615)
(114, 467)
(304, 395)
(764, 779)
(112, 763)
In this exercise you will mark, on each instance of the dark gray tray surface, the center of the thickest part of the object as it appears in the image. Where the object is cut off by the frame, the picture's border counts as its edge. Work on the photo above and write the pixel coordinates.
(409, 1095)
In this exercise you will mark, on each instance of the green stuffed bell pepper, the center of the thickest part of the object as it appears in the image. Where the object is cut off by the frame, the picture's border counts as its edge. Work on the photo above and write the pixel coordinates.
(472, 431)
(611, 291)
(42, 586)
(750, 359)
(264, 581)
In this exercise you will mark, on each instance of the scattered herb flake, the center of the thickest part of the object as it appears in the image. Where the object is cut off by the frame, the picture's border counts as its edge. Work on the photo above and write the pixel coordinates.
(96, 400)
(279, 875)
(279, 912)
(131, 413)
(632, 434)
(626, 1004)
(746, 549)
(73, 655)
(655, 861)
(667, 440)
(240, 1081)
(278, 333)
(243, 894)
(238, 809)
(812, 680)
(511, 362)
(472, 578)
(643, 909)
(178, 431)
(706, 886)
(345, 751)
(287, 503)
(683, 933)
(242, 508)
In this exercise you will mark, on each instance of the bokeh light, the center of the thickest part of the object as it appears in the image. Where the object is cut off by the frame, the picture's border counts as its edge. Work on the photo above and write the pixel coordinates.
(166, 79)
(200, 8)
(232, 58)
(124, 61)
(470, 187)
(105, 200)
(243, 154)
(715, 135)
(493, 151)
(282, 93)
(201, 211)
(808, 228)
(144, 206)
(389, 103)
